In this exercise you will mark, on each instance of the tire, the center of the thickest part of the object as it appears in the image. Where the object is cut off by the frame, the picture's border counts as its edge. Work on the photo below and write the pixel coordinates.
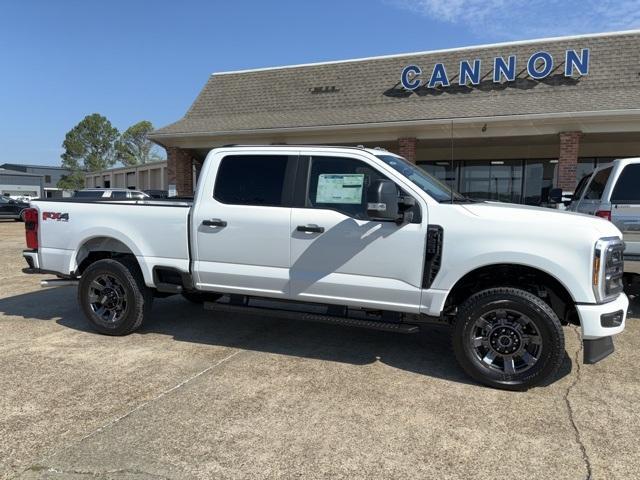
(20, 217)
(508, 338)
(200, 297)
(114, 297)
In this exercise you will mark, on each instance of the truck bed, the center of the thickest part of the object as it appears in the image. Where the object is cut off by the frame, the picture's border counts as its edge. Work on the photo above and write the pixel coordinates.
(155, 231)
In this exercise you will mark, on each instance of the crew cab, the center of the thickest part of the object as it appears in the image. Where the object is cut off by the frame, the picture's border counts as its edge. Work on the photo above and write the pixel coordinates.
(612, 192)
(351, 236)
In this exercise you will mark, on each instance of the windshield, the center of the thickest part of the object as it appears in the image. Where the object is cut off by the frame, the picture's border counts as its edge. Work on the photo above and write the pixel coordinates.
(431, 185)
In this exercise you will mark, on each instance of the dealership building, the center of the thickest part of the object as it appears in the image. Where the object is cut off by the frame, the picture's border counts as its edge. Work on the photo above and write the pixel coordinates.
(504, 122)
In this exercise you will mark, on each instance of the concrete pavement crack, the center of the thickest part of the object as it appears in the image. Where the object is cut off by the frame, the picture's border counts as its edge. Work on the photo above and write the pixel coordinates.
(570, 412)
(96, 474)
(139, 407)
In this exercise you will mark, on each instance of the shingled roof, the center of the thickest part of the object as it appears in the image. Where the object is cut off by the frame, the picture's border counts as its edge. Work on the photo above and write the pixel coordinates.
(367, 91)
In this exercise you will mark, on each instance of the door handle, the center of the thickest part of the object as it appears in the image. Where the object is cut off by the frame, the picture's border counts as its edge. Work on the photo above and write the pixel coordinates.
(310, 228)
(214, 222)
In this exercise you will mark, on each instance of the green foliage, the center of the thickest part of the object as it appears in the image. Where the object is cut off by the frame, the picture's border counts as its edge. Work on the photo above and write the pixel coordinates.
(89, 146)
(134, 146)
(73, 181)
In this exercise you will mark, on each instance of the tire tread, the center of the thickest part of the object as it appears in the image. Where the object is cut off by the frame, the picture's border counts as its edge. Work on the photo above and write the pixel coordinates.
(553, 362)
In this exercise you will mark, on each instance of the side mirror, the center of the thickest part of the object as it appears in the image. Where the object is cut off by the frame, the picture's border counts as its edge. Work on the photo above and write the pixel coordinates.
(382, 202)
(555, 195)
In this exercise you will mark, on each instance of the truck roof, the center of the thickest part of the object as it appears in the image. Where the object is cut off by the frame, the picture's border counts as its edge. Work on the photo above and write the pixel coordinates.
(373, 150)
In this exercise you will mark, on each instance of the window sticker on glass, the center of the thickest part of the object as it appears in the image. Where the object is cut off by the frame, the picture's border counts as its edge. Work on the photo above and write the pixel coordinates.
(340, 188)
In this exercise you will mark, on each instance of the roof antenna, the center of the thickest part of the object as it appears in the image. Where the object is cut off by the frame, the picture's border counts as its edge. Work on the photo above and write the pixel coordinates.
(452, 167)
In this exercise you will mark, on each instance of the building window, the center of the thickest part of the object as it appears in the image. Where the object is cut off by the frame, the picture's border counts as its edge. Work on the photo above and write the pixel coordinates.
(444, 171)
(513, 181)
(47, 179)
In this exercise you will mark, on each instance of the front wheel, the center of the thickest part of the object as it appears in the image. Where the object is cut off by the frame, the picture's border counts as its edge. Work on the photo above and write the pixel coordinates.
(508, 338)
(113, 296)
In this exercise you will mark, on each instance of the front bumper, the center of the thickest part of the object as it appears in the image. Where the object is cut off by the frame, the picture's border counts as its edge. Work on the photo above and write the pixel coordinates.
(599, 322)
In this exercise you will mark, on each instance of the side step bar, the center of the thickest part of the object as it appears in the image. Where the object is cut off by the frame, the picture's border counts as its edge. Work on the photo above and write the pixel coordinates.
(58, 282)
(314, 317)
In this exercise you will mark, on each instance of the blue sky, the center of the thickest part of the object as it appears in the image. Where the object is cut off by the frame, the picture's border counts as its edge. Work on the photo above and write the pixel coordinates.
(134, 60)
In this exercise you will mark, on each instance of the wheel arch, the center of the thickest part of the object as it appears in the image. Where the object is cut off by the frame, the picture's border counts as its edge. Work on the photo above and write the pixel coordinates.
(535, 280)
(98, 248)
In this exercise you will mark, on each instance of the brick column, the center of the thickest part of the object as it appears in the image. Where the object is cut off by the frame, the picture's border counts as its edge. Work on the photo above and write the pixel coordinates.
(180, 170)
(568, 160)
(407, 148)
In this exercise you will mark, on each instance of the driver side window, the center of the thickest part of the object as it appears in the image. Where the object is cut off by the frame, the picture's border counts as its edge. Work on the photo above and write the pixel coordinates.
(341, 184)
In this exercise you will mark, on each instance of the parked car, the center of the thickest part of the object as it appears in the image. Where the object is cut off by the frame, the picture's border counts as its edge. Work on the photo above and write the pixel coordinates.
(110, 193)
(612, 192)
(157, 193)
(347, 236)
(10, 208)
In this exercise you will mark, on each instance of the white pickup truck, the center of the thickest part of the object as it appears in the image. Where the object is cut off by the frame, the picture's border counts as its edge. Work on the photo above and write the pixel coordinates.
(350, 236)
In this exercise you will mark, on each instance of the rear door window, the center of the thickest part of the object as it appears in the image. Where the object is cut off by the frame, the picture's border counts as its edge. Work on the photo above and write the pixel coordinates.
(598, 184)
(627, 189)
(252, 180)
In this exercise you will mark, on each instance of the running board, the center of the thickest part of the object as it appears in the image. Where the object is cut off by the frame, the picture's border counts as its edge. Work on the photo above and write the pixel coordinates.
(314, 317)
(58, 282)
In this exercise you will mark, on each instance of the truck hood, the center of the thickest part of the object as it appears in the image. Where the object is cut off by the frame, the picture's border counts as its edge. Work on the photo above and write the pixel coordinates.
(545, 217)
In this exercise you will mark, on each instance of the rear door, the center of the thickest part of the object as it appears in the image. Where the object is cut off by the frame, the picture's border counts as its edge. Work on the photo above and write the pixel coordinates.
(241, 225)
(592, 198)
(339, 255)
(625, 207)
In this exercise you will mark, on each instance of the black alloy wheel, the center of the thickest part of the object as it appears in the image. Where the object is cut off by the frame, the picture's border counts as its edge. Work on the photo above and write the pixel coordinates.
(508, 338)
(114, 297)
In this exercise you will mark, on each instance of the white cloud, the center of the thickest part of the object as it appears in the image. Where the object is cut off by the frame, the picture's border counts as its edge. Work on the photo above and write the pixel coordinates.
(529, 18)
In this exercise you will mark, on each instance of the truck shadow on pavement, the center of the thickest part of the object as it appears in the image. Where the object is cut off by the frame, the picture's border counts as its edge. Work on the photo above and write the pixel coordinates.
(426, 353)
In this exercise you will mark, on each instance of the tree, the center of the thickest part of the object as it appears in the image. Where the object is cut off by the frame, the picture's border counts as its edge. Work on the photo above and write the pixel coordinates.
(134, 146)
(89, 146)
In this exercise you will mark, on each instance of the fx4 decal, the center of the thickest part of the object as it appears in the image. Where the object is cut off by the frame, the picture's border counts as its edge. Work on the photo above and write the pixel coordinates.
(57, 216)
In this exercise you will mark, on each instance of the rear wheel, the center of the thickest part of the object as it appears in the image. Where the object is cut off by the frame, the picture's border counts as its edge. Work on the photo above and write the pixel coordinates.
(508, 338)
(113, 296)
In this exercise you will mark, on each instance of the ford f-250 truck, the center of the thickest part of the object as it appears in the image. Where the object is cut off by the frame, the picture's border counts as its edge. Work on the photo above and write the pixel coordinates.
(351, 236)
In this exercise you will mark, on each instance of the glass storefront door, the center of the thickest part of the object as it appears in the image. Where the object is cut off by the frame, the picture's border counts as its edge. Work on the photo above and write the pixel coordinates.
(499, 180)
(539, 179)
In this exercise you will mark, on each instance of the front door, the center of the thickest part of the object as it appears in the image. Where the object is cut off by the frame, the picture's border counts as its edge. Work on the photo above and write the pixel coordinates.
(339, 255)
(241, 227)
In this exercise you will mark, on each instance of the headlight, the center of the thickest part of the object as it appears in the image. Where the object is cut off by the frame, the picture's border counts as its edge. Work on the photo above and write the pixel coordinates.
(608, 267)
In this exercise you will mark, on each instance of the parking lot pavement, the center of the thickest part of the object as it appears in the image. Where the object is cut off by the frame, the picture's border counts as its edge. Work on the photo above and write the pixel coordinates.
(201, 395)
